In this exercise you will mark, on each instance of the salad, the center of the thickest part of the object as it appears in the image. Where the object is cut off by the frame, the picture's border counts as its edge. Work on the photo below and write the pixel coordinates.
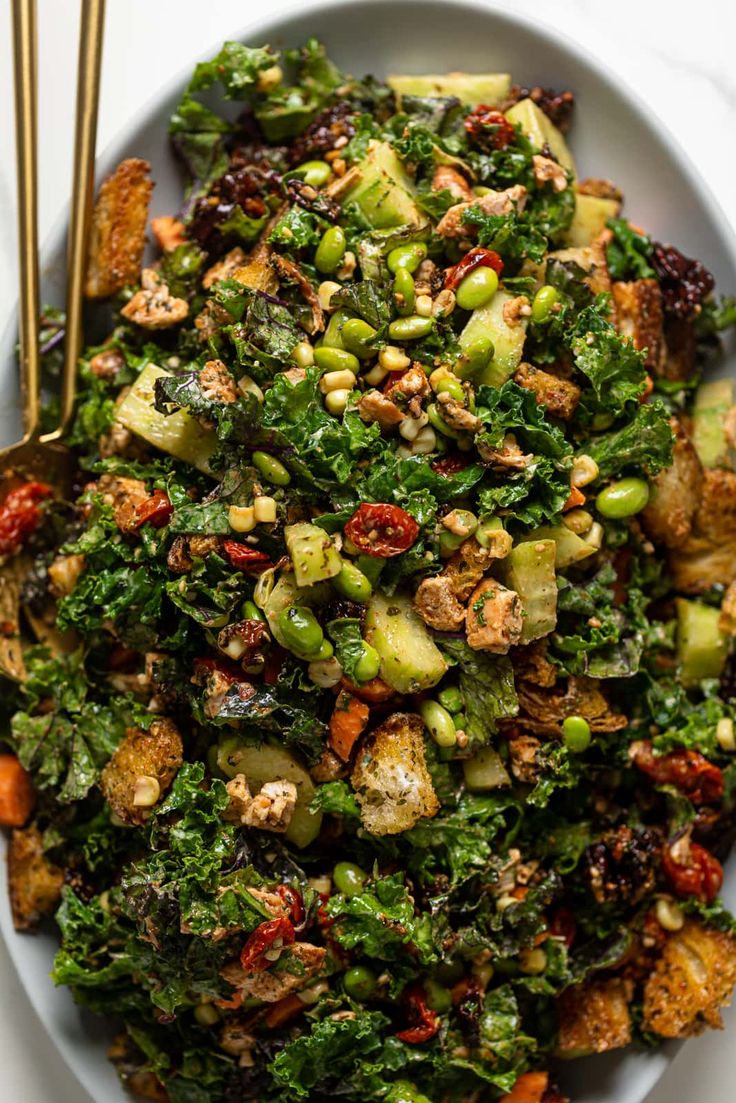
(368, 707)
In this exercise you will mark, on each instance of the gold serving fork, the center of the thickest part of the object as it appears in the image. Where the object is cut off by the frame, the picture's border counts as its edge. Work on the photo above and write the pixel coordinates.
(39, 454)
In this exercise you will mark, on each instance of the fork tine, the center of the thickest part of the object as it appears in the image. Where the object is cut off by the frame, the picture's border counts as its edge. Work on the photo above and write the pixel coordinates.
(88, 87)
(24, 66)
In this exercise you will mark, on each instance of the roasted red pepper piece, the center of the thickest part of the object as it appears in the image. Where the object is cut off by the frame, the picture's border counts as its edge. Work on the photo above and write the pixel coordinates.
(20, 515)
(692, 870)
(381, 530)
(292, 899)
(475, 258)
(487, 126)
(274, 934)
(156, 510)
(425, 1022)
(689, 771)
(243, 556)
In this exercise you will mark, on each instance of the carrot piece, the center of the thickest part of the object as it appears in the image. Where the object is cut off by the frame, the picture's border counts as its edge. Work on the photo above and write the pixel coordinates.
(374, 692)
(283, 1010)
(17, 795)
(577, 498)
(529, 1088)
(346, 723)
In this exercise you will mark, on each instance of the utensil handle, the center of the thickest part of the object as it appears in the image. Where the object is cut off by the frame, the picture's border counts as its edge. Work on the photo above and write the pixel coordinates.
(24, 69)
(92, 25)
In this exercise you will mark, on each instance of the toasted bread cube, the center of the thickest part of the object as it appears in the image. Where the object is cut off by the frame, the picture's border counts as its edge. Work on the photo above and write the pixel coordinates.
(692, 980)
(640, 317)
(118, 230)
(676, 494)
(594, 1018)
(391, 780)
(34, 882)
(560, 396)
(157, 753)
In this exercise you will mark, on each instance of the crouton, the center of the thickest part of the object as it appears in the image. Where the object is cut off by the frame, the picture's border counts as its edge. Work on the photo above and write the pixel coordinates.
(708, 556)
(34, 883)
(467, 566)
(493, 620)
(593, 1018)
(225, 268)
(676, 493)
(117, 233)
(154, 307)
(391, 781)
(592, 259)
(692, 980)
(523, 750)
(494, 202)
(559, 396)
(296, 966)
(727, 619)
(157, 754)
(217, 383)
(639, 316)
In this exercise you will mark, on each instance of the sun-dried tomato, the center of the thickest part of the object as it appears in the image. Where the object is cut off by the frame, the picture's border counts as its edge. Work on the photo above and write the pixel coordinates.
(684, 282)
(272, 935)
(425, 1022)
(203, 667)
(156, 511)
(563, 925)
(475, 258)
(449, 465)
(489, 128)
(692, 870)
(381, 530)
(292, 899)
(20, 515)
(243, 556)
(689, 771)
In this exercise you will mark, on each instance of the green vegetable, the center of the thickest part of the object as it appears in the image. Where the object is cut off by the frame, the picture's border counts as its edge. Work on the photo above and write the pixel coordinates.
(451, 699)
(623, 498)
(410, 660)
(569, 547)
(541, 131)
(506, 341)
(330, 250)
(360, 983)
(313, 554)
(349, 879)
(576, 734)
(407, 257)
(359, 338)
(403, 292)
(439, 998)
(301, 631)
(272, 470)
(410, 328)
(470, 88)
(477, 288)
(485, 770)
(714, 400)
(368, 665)
(452, 387)
(314, 173)
(545, 299)
(476, 356)
(592, 215)
(352, 583)
(178, 434)
(701, 646)
(384, 191)
(530, 571)
(439, 723)
(336, 359)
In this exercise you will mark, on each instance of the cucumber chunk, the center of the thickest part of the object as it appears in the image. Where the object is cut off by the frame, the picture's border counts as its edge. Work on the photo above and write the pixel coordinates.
(470, 88)
(178, 434)
(485, 770)
(410, 660)
(713, 401)
(541, 131)
(591, 215)
(530, 571)
(313, 555)
(508, 341)
(569, 547)
(701, 646)
(384, 191)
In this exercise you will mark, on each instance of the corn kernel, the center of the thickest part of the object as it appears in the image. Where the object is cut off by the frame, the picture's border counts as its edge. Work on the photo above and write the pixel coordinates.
(669, 914)
(337, 381)
(303, 354)
(270, 78)
(246, 385)
(336, 401)
(146, 791)
(241, 518)
(264, 509)
(594, 535)
(424, 442)
(325, 292)
(725, 734)
(393, 358)
(376, 375)
(410, 427)
(423, 306)
(584, 471)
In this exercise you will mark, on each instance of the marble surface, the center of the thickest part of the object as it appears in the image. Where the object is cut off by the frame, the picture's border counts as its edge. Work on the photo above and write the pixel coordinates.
(677, 56)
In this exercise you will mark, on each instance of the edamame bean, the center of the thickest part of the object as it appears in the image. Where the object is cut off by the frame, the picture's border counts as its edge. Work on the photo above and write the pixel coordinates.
(576, 734)
(453, 387)
(438, 997)
(411, 328)
(301, 630)
(475, 357)
(439, 723)
(360, 983)
(477, 288)
(330, 251)
(352, 583)
(451, 699)
(449, 543)
(349, 879)
(315, 173)
(403, 292)
(408, 256)
(438, 422)
(368, 665)
(325, 651)
(544, 300)
(328, 359)
(358, 337)
(272, 470)
(332, 338)
(623, 498)
(251, 611)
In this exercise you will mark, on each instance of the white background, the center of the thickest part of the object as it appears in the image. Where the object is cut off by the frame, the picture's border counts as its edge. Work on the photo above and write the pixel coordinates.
(677, 55)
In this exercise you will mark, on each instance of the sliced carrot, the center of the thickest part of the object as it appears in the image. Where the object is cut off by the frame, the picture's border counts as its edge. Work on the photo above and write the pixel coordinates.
(373, 693)
(577, 498)
(17, 795)
(283, 1010)
(346, 723)
(529, 1088)
(231, 1003)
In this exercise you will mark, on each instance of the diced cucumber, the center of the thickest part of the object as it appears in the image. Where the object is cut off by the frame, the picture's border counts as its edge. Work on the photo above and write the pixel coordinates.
(313, 555)
(570, 548)
(508, 341)
(701, 646)
(713, 401)
(285, 594)
(262, 762)
(485, 770)
(529, 569)
(384, 191)
(410, 660)
(178, 434)
(470, 88)
(591, 214)
(541, 131)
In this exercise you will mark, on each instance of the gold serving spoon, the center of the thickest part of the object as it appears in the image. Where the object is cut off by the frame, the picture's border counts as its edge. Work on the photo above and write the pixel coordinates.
(37, 455)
